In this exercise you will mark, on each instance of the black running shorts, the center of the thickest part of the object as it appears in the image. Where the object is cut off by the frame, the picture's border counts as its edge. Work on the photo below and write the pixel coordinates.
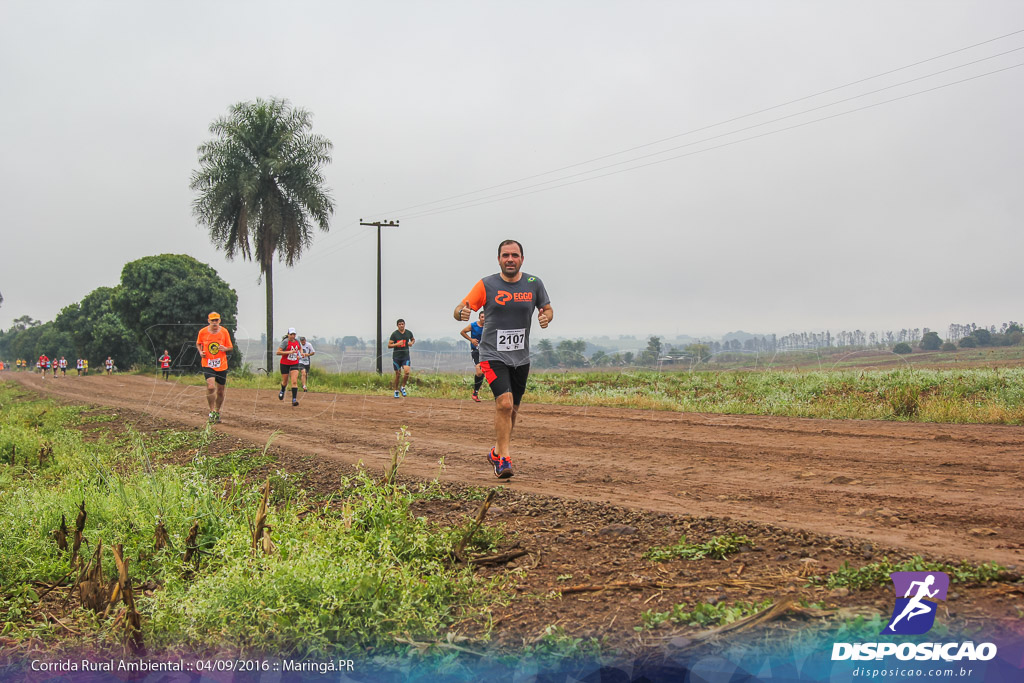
(285, 369)
(219, 376)
(506, 378)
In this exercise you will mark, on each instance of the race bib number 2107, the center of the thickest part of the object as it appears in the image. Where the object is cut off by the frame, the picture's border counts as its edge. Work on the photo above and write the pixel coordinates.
(511, 340)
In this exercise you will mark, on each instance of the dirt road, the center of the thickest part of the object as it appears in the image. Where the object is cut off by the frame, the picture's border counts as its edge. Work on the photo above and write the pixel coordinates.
(955, 491)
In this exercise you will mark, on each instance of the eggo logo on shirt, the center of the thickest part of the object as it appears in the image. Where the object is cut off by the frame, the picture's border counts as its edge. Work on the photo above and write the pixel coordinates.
(502, 297)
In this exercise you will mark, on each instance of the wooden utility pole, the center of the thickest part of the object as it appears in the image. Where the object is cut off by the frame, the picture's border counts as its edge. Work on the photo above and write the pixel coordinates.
(380, 351)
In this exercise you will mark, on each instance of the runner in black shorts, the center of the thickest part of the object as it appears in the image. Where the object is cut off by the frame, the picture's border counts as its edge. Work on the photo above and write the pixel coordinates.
(508, 299)
(290, 350)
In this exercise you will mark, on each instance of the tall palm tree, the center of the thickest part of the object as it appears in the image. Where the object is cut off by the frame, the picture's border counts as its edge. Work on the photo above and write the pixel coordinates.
(261, 188)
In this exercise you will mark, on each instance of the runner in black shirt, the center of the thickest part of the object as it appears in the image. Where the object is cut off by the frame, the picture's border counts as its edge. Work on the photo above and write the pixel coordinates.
(400, 340)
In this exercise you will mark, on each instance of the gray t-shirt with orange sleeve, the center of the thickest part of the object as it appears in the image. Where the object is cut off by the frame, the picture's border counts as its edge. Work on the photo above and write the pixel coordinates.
(508, 310)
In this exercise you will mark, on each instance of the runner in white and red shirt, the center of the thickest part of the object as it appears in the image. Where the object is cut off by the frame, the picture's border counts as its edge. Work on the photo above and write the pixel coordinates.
(290, 351)
(165, 364)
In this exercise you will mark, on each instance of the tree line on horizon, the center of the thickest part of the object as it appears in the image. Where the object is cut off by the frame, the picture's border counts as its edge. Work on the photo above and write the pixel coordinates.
(160, 303)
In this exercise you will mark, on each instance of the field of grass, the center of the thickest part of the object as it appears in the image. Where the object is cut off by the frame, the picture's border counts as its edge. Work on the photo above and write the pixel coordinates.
(968, 395)
(348, 572)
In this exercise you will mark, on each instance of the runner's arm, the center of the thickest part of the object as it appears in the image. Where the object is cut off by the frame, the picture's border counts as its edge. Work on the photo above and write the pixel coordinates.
(476, 299)
(545, 316)
(465, 333)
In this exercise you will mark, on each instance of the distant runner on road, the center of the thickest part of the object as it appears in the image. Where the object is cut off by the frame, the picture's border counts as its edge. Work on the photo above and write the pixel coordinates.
(508, 298)
(109, 364)
(304, 364)
(44, 365)
(213, 343)
(472, 333)
(63, 366)
(165, 364)
(400, 340)
(290, 351)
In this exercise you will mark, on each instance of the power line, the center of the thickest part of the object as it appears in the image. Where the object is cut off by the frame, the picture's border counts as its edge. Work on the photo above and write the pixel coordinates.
(472, 202)
(714, 125)
(708, 149)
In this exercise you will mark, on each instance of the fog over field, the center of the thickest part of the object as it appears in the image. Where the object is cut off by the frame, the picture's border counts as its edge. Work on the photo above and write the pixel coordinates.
(670, 168)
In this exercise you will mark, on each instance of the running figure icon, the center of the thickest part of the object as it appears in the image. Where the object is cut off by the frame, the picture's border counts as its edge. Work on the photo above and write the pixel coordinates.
(915, 607)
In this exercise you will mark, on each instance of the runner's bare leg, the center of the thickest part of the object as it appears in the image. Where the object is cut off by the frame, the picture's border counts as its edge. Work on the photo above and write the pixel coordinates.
(504, 422)
(211, 393)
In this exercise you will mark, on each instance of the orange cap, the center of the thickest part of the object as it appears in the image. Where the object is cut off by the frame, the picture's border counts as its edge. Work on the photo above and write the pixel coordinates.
(213, 316)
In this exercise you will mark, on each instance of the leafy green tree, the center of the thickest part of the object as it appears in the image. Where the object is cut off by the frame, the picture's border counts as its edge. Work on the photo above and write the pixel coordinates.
(652, 353)
(599, 358)
(969, 342)
(903, 348)
(948, 346)
(97, 331)
(20, 340)
(261, 188)
(699, 352)
(570, 353)
(983, 336)
(351, 342)
(931, 342)
(165, 299)
(544, 355)
(627, 357)
(55, 343)
(25, 322)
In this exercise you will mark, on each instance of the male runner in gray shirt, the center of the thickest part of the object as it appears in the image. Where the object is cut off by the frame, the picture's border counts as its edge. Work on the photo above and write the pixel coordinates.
(508, 299)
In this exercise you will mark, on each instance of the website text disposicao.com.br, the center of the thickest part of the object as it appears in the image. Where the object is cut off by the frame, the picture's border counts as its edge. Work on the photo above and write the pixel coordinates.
(905, 673)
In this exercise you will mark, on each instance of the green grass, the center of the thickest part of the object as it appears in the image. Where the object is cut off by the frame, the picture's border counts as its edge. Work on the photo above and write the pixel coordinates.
(973, 395)
(703, 614)
(351, 571)
(877, 573)
(716, 548)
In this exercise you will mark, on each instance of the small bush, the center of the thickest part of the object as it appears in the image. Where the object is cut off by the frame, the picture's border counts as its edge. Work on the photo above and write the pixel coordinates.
(717, 548)
(904, 401)
(877, 573)
(703, 614)
(902, 348)
(968, 343)
(931, 342)
(948, 346)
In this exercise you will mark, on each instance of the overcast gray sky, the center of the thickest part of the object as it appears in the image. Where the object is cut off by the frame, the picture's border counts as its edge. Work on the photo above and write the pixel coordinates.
(905, 214)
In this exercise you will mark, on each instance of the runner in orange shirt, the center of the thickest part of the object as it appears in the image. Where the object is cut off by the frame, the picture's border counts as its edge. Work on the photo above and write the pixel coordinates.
(213, 344)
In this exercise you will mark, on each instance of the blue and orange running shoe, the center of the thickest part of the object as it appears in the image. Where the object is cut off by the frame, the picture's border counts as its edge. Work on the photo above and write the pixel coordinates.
(504, 469)
(495, 461)
(502, 465)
